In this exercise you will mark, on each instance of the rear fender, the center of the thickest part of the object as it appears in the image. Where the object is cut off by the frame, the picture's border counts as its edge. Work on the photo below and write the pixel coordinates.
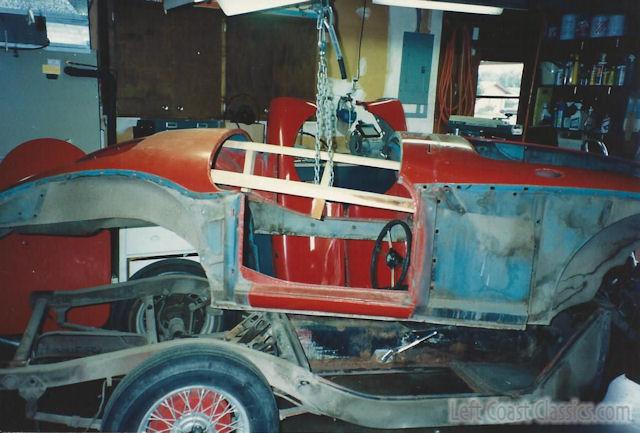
(82, 203)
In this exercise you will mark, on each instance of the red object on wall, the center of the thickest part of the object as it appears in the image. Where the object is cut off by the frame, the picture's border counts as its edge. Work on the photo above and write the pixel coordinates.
(34, 262)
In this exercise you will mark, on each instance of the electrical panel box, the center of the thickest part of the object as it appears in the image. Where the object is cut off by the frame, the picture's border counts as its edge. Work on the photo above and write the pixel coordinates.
(415, 70)
(17, 31)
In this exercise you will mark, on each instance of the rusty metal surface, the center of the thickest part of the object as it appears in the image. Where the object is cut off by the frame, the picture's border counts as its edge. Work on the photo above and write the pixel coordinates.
(495, 256)
(512, 256)
(565, 376)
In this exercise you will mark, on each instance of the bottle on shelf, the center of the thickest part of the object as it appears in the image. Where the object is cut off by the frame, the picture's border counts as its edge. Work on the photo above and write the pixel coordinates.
(569, 112)
(559, 117)
(560, 76)
(575, 71)
(584, 75)
(590, 120)
(630, 71)
(575, 119)
(605, 125)
(545, 117)
(600, 68)
(621, 75)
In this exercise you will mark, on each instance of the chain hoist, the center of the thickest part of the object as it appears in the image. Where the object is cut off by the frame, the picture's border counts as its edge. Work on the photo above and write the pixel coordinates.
(325, 111)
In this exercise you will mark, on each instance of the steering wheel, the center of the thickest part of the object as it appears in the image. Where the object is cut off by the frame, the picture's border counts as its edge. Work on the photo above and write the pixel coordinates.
(393, 259)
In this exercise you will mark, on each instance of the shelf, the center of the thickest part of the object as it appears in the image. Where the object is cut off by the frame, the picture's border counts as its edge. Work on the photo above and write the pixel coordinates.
(582, 88)
(616, 40)
(614, 92)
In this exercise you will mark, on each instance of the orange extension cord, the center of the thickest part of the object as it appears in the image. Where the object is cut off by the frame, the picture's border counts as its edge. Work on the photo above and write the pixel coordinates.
(456, 97)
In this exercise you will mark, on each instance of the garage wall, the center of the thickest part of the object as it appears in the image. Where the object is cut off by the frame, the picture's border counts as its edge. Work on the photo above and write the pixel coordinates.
(167, 65)
(403, 20)
(373, 62)
(381, 54)
(32, 106)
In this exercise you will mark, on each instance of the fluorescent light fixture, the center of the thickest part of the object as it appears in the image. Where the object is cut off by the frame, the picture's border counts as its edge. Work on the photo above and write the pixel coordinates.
(236, 7)
(441, 5)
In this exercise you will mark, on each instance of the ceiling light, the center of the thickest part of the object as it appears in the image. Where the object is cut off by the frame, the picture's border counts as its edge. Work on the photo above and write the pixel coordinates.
(442, 5)
(236, 7)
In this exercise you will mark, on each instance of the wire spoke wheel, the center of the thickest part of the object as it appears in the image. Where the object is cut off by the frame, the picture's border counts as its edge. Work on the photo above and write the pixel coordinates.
(195, 409)
(193, 389)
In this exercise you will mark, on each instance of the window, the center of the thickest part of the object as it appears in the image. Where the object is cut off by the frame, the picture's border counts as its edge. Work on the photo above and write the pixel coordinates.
(67, 20)
(498, 91)
(68, 34)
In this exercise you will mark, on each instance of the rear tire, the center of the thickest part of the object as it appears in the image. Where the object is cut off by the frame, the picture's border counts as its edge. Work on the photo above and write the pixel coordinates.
(190, 381)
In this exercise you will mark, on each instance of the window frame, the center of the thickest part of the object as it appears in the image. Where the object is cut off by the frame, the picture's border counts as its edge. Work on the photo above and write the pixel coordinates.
(500, 97)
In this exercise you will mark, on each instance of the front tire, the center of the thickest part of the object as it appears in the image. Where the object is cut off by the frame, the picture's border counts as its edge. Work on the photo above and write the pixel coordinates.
(196, 390)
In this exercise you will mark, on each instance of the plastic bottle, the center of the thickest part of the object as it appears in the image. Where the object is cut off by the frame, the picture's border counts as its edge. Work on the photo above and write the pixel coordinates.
(569, 111)
(600, 70)
(605, 124)
(560, 77)
(559, 114)
(545, 117)
(568, 68)
(621, 75)
(592, 76)
(629, 118)
(575, 71)
(590, 120)
(631, 71)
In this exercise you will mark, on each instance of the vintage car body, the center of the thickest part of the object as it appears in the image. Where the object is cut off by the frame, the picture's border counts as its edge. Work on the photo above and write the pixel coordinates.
(504, 235)
(510, 237)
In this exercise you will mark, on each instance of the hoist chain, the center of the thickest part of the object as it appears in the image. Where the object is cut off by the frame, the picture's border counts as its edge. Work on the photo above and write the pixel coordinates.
(325, 111)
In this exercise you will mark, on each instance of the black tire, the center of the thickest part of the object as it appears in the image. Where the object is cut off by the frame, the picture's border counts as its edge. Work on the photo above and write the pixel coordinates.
(123, 313)
(153, 380)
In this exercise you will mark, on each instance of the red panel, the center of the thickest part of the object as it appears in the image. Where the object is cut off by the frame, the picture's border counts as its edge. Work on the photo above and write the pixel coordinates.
(302, 259)
(36, 156)
(424, 163)
(29, 262)
(389, 110)
(286, 117)
(183, 156)
(271, 293)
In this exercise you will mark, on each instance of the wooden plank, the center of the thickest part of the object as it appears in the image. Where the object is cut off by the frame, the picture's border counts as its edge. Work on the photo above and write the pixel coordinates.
(310, 154)
(317, 206)
(249, 164)
(302, 189)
